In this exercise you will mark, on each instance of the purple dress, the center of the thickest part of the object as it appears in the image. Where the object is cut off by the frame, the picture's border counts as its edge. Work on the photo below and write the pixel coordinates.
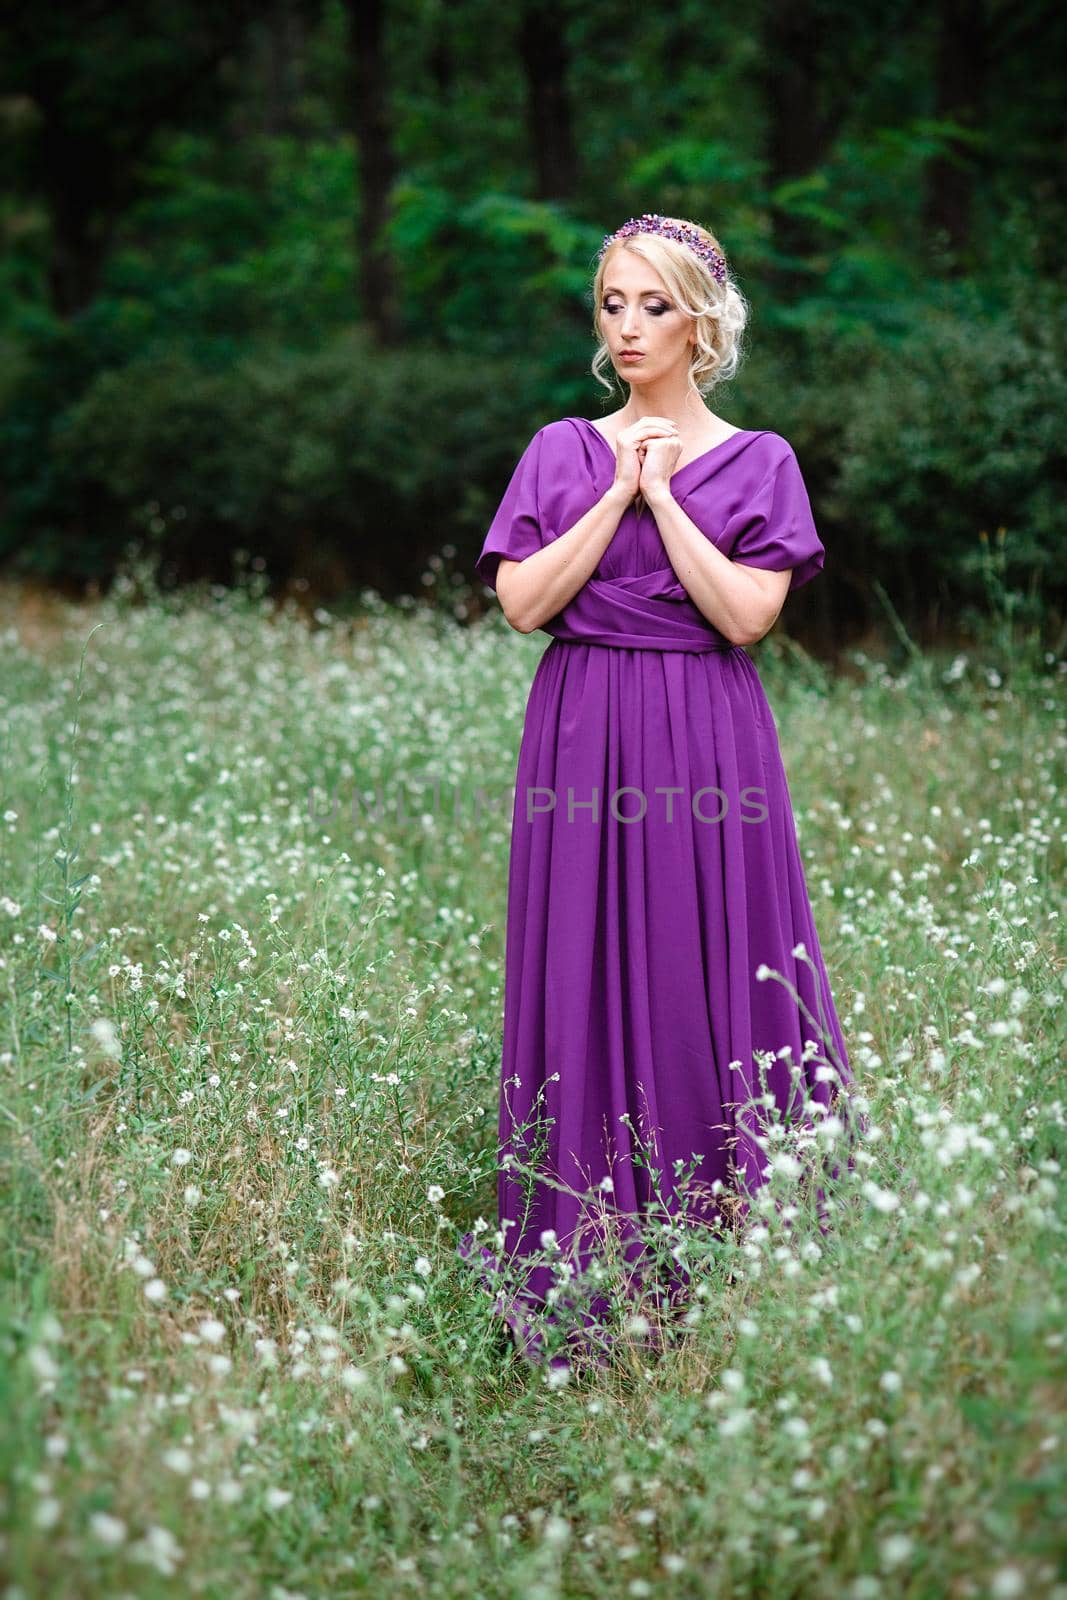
(654, 870)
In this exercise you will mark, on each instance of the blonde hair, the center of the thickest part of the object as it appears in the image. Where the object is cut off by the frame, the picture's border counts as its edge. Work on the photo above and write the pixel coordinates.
(719, 310)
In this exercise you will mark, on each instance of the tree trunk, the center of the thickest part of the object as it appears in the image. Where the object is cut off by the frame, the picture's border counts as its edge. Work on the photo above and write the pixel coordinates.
(797, 133)
(284, 47)
(546, 58)
(84, 214)
(960, 89)
(87, 157)
(372, 125)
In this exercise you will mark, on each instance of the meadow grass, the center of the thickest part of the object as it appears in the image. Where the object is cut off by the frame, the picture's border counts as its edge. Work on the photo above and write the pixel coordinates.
(251, 949)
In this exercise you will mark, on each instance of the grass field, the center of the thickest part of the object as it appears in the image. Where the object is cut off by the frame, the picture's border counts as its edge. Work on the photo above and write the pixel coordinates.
(251, 947)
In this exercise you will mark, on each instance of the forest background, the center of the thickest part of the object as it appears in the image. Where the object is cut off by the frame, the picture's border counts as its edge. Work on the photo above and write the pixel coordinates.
(291, 285)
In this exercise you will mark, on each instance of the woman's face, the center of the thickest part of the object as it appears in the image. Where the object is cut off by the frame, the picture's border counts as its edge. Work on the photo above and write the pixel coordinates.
(638, 314)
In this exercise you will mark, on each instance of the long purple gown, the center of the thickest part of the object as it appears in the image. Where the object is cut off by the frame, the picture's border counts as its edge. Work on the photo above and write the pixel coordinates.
(654, 870)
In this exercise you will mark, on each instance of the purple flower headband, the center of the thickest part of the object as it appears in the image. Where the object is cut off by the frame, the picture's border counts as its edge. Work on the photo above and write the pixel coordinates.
(652, 222)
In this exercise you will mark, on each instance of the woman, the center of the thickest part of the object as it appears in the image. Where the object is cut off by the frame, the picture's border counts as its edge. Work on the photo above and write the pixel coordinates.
(654, 871)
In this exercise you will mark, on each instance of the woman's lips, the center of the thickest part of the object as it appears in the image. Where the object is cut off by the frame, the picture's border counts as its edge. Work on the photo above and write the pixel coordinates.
(632, 355)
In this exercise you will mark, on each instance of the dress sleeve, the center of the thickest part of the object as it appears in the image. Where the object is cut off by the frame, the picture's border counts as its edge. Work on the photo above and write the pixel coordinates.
(516, 530)
(776, 530)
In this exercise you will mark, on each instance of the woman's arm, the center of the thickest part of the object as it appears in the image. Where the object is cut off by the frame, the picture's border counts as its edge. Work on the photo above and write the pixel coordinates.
(534, 589)
(742, 602)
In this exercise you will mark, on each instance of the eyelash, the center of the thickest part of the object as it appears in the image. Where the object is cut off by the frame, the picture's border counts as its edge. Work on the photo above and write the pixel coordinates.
(657, 310)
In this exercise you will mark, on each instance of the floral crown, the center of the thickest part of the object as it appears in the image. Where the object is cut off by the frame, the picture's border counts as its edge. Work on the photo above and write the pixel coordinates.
(652, 222)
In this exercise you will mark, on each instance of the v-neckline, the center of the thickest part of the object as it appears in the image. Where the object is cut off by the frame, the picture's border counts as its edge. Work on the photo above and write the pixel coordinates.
(739, 434)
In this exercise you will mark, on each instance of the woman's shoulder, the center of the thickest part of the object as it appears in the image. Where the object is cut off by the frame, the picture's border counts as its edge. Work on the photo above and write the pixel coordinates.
(550, 432)
(773, 443)
(561, 429)
(555, 439)
(774, 453)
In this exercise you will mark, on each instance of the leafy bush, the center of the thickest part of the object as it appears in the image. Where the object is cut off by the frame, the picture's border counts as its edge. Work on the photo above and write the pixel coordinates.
(918, 448)
(958, 432)
(350, 462)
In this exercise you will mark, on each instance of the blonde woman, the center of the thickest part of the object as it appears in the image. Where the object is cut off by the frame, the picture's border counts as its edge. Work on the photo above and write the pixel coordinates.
(654, 870)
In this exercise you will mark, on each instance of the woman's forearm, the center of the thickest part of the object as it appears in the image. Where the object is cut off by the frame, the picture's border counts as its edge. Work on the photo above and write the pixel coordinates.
(532, 590)
(740, 601)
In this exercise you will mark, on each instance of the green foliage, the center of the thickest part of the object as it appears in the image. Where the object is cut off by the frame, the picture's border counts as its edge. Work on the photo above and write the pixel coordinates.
(188, 355)
(241, 246)
(957, 432)
(960, 428)
(920, 445)
(307, 456)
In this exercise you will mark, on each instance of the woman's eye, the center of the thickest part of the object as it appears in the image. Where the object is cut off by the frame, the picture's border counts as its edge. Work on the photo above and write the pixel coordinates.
(656, 310)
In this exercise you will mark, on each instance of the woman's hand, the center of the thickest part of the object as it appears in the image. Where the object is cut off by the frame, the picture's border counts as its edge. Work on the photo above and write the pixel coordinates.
(632, 445)
(658, 462)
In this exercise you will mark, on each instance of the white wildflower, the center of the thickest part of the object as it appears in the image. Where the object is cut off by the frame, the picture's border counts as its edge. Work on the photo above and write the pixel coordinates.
(895, 1549)
(881, 1199)
(106, 1035)
(107, 1529)
(47, 1512)
(1006, 1583)
(158, 1549)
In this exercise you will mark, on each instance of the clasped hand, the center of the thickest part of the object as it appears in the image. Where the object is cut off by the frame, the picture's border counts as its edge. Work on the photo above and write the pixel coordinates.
(647, 452)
